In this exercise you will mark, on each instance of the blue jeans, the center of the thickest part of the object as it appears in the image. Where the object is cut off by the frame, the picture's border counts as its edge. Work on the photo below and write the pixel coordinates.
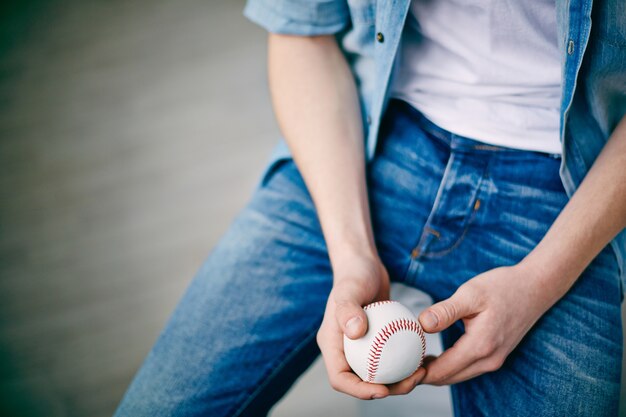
(444, 209)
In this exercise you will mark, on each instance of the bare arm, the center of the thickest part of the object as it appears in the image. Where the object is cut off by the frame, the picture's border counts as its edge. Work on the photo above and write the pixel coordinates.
(595, 214)
(316, 104)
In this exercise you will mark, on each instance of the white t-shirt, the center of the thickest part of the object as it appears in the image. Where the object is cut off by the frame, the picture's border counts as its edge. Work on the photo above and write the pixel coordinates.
(485, 69)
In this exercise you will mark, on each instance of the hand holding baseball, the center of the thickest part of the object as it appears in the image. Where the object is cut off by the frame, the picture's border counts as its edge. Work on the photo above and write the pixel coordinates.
(365, 281)
(393, 347)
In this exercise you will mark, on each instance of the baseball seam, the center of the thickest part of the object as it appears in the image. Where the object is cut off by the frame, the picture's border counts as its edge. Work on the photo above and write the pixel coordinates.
(383, 336)
(378, 303)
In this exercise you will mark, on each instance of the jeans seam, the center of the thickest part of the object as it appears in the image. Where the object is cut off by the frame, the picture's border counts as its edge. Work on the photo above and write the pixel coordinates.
(470, 220)
(434, 208)
(449, 249)
(468, 224)
(488, 148)
(440, 137)
(254, 394)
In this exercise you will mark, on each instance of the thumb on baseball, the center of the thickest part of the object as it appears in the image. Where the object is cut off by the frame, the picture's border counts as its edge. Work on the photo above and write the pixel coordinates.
(351, 318)
(443, 314)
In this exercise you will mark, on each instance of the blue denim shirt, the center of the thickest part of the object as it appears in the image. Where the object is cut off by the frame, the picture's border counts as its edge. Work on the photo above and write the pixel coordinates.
(591, 34)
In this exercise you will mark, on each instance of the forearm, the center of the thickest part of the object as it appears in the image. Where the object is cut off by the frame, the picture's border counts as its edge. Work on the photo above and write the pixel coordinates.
(595, 214)
(316, 104)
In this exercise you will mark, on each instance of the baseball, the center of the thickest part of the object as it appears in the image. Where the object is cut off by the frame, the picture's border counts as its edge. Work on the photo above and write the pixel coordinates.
(393, 347)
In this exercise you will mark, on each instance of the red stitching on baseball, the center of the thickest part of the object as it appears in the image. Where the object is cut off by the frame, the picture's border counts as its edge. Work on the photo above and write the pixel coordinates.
(377, 303)
(383, 336)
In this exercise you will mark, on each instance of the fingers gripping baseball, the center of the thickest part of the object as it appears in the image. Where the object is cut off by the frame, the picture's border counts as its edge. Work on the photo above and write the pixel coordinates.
(351, 318)
(392, 349)
(349, 297)
(364, 281)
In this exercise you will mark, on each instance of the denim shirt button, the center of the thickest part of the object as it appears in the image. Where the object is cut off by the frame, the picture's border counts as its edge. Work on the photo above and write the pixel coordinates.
(380, 37)
(570, 47)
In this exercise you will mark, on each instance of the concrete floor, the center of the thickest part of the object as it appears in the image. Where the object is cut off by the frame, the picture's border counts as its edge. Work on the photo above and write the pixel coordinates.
(130, 135)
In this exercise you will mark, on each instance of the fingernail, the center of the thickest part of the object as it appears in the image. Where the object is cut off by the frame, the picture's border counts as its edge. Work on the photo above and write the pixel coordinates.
(430, 320)
(352, 325)
(377, 396)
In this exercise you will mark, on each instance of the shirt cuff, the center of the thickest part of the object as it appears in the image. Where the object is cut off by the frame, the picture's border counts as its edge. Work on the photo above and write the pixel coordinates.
(299, 17)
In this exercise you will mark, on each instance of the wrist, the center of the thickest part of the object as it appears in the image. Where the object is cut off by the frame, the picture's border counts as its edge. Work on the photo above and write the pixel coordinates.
(344, 259)
(345, 250)
(549, 283)
(359, 264)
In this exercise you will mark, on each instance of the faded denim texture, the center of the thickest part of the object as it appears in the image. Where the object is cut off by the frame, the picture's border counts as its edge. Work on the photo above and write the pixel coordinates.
(592, 45)
(444, 208)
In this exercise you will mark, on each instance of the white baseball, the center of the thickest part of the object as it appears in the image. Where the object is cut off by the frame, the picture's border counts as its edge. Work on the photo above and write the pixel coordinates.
(393, 347)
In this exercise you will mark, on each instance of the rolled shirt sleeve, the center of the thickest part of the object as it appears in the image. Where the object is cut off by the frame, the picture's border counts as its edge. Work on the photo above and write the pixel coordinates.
(299, 17)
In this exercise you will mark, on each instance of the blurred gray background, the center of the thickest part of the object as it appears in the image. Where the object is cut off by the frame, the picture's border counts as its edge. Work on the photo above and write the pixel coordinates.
(131, 133)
